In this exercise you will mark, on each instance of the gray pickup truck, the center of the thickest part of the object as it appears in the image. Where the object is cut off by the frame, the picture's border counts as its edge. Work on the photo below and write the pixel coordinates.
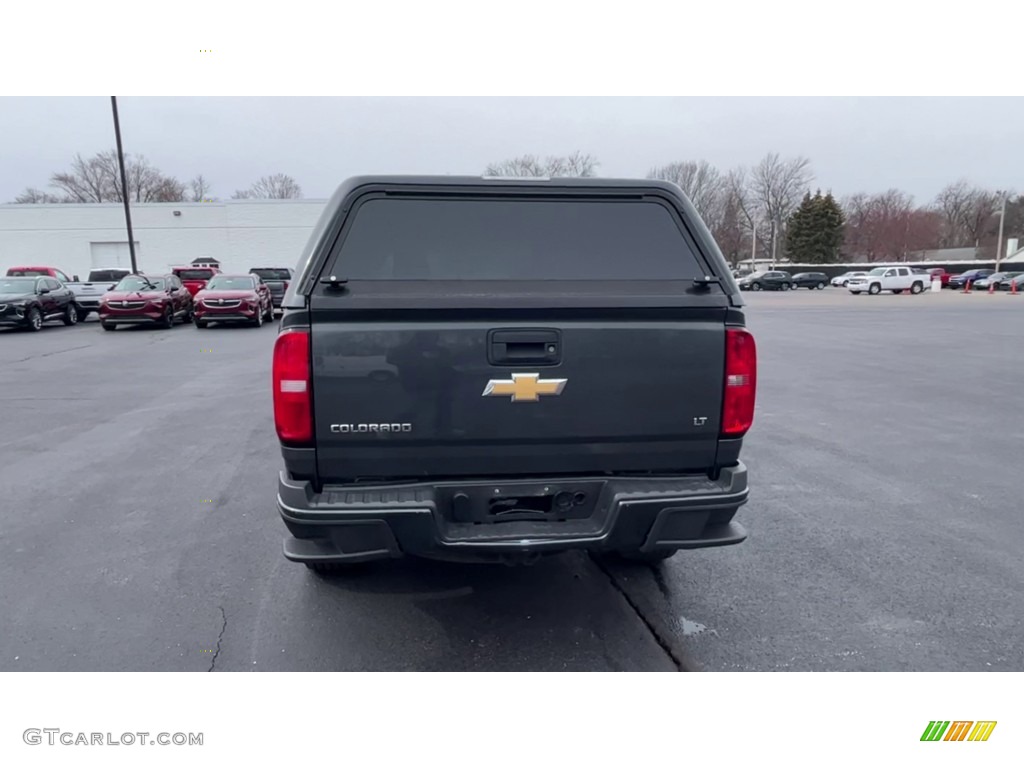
(480, 369)
(89, 292)
(276, 279)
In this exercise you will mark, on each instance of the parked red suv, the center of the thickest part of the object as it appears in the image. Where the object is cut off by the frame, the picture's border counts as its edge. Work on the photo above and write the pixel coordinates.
(195, 278)
(234, 298)
(146, 300)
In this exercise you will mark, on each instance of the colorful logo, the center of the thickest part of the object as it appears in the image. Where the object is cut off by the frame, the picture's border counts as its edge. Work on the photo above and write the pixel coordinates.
(958, 730)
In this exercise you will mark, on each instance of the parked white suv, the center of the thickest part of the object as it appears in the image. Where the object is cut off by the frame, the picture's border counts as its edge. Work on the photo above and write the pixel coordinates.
(895, 279)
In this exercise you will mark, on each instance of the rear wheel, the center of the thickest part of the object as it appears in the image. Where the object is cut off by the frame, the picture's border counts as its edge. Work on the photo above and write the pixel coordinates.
(821, 286)
(269, 314)
(916, 288)
(897, 291)
(35, 319)
(70, 315)
(168, 320)
(755, 287)
(785, 286)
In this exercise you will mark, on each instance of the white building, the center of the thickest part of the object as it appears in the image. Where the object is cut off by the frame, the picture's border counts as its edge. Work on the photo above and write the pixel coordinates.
(76, 238)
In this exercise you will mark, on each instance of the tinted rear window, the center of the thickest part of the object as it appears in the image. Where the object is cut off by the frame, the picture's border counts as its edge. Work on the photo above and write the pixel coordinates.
(273, 274)
(107, 275)
(402, 239)
(194, 274)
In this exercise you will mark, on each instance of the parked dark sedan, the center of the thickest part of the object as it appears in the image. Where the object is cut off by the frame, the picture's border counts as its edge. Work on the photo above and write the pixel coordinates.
(766, 281)
(28, 302)
(146, 300)
(812, 280)
(972, 275)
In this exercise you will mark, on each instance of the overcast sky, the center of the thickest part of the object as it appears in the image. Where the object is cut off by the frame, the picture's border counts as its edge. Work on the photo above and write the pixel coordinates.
(854, 144)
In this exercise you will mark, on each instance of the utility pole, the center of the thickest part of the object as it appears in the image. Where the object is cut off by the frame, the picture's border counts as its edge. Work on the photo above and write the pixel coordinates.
(999, 243)
(124, 186)
(753, 245)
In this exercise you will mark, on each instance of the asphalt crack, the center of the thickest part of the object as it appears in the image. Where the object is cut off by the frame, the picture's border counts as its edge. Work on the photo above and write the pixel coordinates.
(220, 637)
(47, 354)
(664, 642)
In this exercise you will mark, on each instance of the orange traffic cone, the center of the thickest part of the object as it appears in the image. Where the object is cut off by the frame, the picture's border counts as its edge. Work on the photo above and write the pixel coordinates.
(991, 287)
(967, 287)
(1013, 287)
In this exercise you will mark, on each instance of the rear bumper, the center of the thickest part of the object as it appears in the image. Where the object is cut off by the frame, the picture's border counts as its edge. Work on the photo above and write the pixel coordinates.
(346, 524)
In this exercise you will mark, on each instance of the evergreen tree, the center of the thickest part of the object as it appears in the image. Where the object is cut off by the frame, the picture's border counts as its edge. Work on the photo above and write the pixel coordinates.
(800, 231)
(815, 230)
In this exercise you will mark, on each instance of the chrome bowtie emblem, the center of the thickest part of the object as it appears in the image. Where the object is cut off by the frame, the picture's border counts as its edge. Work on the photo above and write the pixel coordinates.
(524, 387)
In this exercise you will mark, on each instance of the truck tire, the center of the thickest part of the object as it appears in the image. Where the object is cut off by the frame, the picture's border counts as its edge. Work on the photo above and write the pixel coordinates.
(855, 293)
(916, 288)
(875, 289)
(70, 315)
(82, 313)
(35, 319)
(897, 291)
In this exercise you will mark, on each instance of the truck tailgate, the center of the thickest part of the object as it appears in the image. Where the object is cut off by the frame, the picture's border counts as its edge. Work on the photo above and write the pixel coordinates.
(507, 396)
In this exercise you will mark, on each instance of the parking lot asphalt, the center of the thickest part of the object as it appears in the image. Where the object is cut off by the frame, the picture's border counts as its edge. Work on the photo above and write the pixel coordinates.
(138, 531)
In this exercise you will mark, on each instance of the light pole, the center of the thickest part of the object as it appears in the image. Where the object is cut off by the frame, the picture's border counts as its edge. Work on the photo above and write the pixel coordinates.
(753, 245)
(999, 243)
(124, 186)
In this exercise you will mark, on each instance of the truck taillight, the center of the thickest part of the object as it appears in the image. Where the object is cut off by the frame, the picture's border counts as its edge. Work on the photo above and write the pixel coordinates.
(740, 382)
(293, 412)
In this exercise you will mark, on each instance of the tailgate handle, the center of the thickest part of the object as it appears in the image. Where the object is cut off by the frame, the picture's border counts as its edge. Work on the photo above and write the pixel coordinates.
(541, 347)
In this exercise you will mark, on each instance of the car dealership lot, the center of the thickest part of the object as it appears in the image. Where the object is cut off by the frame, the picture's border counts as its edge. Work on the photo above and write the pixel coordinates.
(139, 532)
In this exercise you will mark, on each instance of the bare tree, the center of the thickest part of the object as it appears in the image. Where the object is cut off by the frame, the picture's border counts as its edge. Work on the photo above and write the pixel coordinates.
(98, 180)
(199, 189)
(576, 164)
(982, 207)
(280, 186)
(702, 183)
(953, 202)
(33, 195)
(778, 186)
(887, 226)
